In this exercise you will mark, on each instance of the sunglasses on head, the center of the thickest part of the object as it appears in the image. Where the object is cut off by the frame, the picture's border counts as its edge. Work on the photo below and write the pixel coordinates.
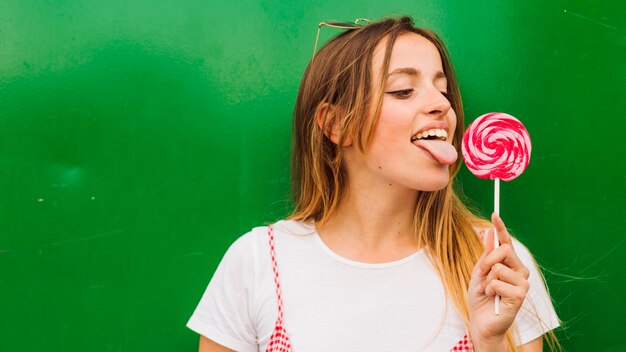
(358, 23)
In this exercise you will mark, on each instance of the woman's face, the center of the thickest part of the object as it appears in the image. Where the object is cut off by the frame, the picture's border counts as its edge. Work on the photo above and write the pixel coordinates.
(412, 142)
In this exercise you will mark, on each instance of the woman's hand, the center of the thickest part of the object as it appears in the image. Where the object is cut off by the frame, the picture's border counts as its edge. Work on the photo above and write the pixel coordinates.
(498, 272)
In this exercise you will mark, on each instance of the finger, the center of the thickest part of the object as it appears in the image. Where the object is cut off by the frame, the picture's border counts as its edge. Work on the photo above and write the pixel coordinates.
(507, 292)
(502, 273)
(503, 233)
(505, 255)
(505, 274)
(476, 282)
(489, 244)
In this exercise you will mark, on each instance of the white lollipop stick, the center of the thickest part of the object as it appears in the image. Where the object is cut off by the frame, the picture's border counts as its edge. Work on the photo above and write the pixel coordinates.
(496, 146)
(496, 241)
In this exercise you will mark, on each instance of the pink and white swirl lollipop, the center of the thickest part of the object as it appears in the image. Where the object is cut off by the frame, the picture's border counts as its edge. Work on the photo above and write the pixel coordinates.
(496, 146)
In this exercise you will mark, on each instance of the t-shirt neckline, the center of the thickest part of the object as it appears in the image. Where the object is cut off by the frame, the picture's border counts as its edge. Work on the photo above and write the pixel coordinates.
(309, 228)
(355, 263)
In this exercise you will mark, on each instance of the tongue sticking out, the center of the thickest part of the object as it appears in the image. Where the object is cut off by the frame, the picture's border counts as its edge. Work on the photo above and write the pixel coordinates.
(444, 152)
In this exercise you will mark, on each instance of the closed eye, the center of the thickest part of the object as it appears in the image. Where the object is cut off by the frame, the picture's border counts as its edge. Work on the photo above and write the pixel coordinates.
(401, 94)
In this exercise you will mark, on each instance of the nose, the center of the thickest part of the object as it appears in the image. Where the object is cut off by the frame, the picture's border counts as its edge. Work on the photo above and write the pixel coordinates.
(439, 105)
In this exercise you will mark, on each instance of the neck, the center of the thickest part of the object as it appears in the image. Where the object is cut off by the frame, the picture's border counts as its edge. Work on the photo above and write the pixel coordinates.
(373, 223)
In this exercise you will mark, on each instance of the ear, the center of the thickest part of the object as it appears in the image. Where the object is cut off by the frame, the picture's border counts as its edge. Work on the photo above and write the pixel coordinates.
(326, 118)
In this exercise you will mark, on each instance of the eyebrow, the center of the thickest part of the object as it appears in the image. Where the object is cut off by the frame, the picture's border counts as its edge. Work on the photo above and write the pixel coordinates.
(413, 72)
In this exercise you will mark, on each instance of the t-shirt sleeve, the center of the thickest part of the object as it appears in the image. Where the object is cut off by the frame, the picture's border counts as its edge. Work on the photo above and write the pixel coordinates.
(537, 315)
(224, 313)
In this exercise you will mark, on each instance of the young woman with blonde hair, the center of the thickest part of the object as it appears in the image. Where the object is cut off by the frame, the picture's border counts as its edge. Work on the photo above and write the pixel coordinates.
(379, 254)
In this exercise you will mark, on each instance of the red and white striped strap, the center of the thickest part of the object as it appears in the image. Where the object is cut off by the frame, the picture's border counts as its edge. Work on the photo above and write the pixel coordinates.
(270, 233)
(464, 345)
(279, 340)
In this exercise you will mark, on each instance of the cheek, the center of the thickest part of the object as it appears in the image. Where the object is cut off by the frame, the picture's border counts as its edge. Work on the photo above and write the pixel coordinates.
(452, 122)
(390, 131)
(393, 127)
(384, 139)
(396, 116)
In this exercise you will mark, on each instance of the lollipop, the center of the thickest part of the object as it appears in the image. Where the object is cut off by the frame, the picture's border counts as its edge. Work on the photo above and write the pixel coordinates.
(496, 146)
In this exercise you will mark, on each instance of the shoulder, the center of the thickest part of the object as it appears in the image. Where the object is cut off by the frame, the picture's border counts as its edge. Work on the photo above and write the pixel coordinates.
(243, 249)
(257, 239)
(294, 228)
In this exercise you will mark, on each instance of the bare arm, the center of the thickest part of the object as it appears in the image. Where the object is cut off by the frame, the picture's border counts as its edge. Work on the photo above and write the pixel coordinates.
(207, 345)
(535, 345)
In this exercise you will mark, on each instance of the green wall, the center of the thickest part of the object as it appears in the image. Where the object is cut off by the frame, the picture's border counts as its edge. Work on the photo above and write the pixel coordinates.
(139, 138)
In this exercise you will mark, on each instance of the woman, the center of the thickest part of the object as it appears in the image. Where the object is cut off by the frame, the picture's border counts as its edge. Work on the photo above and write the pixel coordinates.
(379, 254)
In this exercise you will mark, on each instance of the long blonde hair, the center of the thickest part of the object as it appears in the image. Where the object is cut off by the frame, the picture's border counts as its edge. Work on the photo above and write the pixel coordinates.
(341, 74)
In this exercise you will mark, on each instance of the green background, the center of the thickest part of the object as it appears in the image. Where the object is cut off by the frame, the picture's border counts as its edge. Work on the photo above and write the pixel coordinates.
(139, 138)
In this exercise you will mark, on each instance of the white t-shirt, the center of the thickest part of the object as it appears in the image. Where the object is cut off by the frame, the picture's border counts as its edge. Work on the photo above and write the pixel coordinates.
(334, 304)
